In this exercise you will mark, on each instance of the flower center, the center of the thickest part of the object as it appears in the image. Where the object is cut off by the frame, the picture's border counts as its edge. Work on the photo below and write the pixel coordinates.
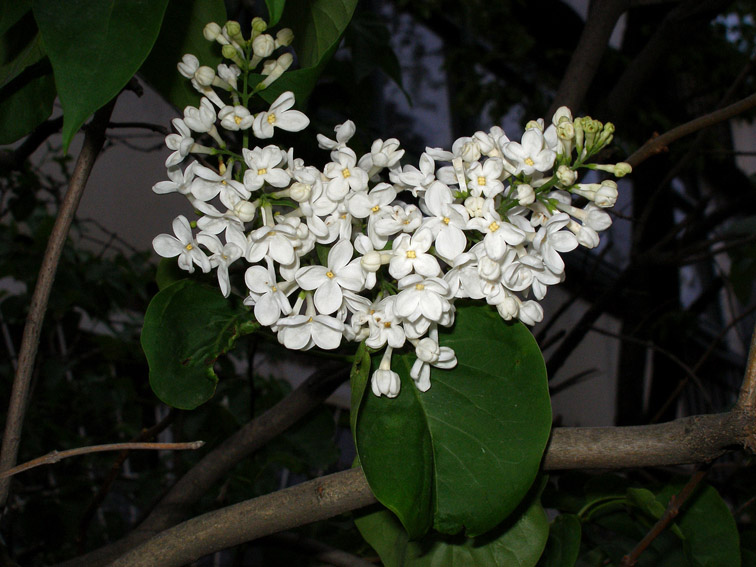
(411, 254)
(329, 273)
(189, 247)
(482, 180)
(271, 118)
(493, 227)
(387, 325)
(446, 220)
(262, 171)
(529, 162)
(419, 287)
(273, 288)
(376, 208)
(237, 119)
(346, 173)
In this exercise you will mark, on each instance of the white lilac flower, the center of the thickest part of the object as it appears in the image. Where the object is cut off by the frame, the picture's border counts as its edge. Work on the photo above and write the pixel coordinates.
(485, 177)
(446, 221)
(373, 206)
(499, 234)
(200, 119)
(235, 118)
(551, 239)
(209, 183)
(344, 175)
(401, 218)
(385, 381)
(182, 245)
(223, 255)
(328, 281)
(410, 254)
(344, 133)
(531, 154)
(429, 353)
(422, 298)
(268, 295)
(182, 143)
(280, 116)
(302, 332)
(263, 168)
(416, 180)
(382, 155)
(180, 181)
(278, 242)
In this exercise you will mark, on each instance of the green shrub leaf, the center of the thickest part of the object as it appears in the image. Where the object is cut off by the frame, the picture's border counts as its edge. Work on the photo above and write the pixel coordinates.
(95, 47)
(186, 327)
(466, 451)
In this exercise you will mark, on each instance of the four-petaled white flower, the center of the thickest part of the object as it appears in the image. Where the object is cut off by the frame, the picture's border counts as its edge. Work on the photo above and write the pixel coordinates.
(328, 281)
(182, 245)
(280, 116)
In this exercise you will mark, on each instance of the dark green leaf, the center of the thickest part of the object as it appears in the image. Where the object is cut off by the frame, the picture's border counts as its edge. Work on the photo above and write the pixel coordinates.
(563, 546)
(358, 380)
(26, 102)
(182, 33)
(470, 447)
(95, 47)
(518, 542)
(275, 11)
(186, 327)
(12, 13)
(711, 536)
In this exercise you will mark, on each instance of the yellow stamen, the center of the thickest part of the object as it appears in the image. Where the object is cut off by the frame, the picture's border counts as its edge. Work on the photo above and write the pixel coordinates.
(529, 162)
(271, 118)
(419, 287)
(273, 288)
(189, 247)
(493, 227)
(387, 324)
(482, 180)
(411, 254)
(376, 208)
(346, 173)
(237, 119)
(262, 171)
(446, 220)
(329, 273)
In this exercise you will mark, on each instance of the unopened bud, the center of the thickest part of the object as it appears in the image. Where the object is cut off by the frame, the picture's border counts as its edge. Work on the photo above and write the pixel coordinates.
(622, 169)
(211, 31)
(606, 195)
(204, 76)
(258, 26)
(525, 194)
(188, 65)
(284, 37)
(300, 192)
(233, 29)
(534, 125)
(474, 206)
(371, 262)
(245, 211)
(566, 175)
(263, 45)
(470, 152)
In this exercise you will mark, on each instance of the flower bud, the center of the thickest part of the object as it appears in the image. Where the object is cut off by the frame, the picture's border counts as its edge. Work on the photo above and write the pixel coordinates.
(427, 350)
(233, 29)
(211, 31)
(566, 131)
(204, 76)
(385, 382)
(525, 194)
(284, 37)
(531, 312)
(245, 211)
(508, 309)
(263, 45)
(258, 26)
(474, 206)
(562, 115)
(188, 65)
(566, 175)
(622, 169)
(300, 192)
(371, 262)
(229, 52)
(606, 195)
(534, 125)
(489, 269)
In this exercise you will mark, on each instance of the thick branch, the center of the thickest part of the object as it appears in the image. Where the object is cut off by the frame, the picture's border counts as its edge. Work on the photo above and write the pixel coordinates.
(690, 440)
(93, 142)
(587, 55)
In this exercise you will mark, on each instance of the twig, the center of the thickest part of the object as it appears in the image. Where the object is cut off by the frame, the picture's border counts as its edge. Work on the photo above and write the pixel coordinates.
(93, 143)
(673, 509)
(55, 456)
(657, 144)
(747, 396)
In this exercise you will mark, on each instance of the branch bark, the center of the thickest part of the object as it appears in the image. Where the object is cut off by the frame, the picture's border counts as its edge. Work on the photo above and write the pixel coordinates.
(689, 440)
(93, 142)
(590, 49)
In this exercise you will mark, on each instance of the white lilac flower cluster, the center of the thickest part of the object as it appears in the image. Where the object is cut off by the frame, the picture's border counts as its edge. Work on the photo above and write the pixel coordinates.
(368, 249)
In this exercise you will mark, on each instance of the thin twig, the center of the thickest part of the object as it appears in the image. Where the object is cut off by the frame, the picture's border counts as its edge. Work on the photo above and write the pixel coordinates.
(673, 509)
(657, 144)
(55, 456)
(747, 396)
(93, 143)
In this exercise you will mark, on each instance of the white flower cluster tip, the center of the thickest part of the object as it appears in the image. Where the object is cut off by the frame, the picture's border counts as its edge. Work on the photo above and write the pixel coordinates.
(368, 249)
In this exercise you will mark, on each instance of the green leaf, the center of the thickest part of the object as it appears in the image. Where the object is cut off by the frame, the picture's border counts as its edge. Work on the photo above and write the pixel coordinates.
(275, 11)
(95, 47)
(563, 545)
(186, 327)
(12, 13)
(518, 542)
(318, 26)
(181, 33)
(711, 536)
(468, 449)
(646, 500)
(358, 379)
(26, 102)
